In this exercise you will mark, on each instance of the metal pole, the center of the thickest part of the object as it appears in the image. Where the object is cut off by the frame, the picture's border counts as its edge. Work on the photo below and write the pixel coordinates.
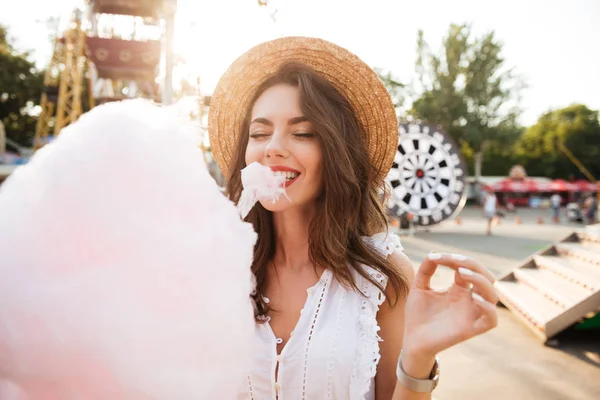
(167, 94)
(2, 142)
(580, 166)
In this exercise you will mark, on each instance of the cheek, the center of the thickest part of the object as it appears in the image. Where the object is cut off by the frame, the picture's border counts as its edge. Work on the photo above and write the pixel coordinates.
(314, 162)
(253, 153)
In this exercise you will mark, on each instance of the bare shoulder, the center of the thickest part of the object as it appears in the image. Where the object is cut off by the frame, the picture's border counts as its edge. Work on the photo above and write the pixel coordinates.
(403, 264)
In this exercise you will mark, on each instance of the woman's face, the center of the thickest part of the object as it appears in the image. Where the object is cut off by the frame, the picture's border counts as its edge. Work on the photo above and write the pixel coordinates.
(281, 138)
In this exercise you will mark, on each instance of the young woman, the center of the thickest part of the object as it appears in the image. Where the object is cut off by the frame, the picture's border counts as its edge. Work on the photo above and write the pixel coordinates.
(340, 313)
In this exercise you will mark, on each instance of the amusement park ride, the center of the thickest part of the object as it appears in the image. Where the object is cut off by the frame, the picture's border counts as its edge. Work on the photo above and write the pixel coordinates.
(95, 61)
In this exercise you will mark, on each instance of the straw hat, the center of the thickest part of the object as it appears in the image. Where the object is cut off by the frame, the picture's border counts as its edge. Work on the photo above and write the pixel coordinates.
(367, 95)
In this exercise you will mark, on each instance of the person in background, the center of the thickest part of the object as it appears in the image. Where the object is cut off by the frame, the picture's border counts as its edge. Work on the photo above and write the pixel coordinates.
(489, 208)
(555, 202)
(591, 209)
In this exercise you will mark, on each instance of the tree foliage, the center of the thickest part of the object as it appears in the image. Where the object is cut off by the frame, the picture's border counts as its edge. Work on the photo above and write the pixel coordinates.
(466, 88)
(577, 128)
(398, 91)
(441, 101)
(20, 90)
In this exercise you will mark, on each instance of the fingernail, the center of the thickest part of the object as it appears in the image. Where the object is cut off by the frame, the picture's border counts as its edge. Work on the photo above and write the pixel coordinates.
(434, 256)
(458, 257)
(477, 297)
(465, 271)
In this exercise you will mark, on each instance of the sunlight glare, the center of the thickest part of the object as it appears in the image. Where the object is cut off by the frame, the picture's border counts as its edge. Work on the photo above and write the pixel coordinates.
(210, 35)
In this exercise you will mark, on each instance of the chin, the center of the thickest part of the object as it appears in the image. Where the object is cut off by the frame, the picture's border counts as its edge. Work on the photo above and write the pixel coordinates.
(282, 204)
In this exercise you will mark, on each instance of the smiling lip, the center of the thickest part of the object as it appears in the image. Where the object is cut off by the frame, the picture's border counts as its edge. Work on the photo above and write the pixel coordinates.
(283, 168)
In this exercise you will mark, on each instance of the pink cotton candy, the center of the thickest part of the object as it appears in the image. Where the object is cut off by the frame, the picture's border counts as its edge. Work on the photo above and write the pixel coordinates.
(260, 183)
(124, 273)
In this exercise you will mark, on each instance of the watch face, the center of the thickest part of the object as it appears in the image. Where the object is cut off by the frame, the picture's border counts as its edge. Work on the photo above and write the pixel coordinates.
(428, 177)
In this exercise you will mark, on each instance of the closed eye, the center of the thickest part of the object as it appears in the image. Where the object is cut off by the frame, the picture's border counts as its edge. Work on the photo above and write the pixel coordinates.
(258, 135)
(306, 135)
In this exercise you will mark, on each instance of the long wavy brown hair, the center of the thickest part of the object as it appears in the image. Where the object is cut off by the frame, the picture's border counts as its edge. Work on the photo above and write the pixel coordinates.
(349, 206)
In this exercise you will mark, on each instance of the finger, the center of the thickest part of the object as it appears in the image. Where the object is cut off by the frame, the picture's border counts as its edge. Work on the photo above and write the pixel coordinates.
(456, 261)
(488, 317)
(459, 281)
(426, 271)
(481, 285)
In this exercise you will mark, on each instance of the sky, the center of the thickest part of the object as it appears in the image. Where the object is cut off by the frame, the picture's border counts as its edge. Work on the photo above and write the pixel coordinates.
(553, 44)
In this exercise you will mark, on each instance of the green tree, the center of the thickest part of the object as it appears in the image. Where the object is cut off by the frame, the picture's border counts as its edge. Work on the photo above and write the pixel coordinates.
(21, 86)
(441, 100)
(467, 89)
(499, 154)
(398, 91)
(577, 128)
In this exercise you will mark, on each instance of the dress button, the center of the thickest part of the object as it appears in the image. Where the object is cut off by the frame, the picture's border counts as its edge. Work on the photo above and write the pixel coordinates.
(277, 386)
(279, 358)
(279, 340)
(310, 290)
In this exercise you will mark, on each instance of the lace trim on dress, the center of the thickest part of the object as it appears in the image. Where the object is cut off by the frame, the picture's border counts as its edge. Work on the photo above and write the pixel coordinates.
(368, 356)
(340, 317)
(325, 279)
(385, 242)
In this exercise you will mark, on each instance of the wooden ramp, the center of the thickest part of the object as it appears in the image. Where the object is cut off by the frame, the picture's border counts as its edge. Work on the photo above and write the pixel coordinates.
(558, 286)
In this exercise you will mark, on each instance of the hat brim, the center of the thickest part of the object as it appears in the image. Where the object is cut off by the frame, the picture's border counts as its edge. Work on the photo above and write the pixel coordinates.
(362, 87)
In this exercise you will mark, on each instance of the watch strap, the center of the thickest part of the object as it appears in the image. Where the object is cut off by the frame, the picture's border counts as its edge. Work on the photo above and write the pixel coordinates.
(418, 385)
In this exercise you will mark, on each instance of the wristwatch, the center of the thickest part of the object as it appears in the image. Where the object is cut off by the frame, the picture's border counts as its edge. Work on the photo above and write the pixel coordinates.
(418, 385)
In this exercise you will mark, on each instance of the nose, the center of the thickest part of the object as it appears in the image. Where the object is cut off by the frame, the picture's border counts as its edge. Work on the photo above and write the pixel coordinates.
(277, 147)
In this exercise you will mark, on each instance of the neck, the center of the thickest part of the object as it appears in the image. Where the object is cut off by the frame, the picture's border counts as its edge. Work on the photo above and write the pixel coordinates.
(291, 236)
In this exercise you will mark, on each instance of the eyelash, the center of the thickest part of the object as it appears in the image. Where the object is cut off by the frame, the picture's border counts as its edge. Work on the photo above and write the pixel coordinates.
(305, 135)
(259, 135)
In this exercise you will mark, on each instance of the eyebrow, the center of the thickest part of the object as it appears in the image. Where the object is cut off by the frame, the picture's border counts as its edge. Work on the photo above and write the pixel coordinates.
(293, 121)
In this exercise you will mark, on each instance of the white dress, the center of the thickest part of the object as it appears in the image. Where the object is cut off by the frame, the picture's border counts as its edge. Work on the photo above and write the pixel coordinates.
(333, 351)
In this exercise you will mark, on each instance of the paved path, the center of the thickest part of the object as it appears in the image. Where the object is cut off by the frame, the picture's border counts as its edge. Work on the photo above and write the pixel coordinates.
(508, 362)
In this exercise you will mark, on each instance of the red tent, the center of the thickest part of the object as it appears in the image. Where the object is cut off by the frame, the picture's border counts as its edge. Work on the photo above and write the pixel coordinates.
(560, 185)
(584, 186)
(519, 186)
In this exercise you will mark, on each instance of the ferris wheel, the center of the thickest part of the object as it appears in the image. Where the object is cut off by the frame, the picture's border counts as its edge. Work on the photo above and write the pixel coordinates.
(428, 176)
(111, 51)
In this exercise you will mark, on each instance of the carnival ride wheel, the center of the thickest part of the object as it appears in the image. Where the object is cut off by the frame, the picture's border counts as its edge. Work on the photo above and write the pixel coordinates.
(428, 176)
(107, 55)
